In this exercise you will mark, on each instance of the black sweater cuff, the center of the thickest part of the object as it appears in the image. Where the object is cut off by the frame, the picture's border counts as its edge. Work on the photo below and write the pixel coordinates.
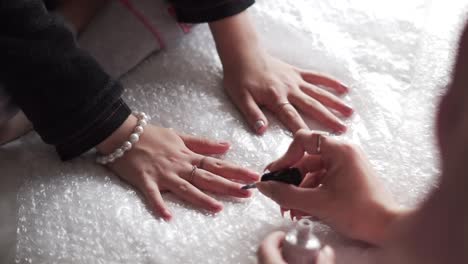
(109, 120)
(212, 13)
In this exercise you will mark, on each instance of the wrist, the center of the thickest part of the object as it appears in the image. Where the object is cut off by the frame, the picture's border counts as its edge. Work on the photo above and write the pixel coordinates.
(118, 136)
(236, 39)
(387, 224)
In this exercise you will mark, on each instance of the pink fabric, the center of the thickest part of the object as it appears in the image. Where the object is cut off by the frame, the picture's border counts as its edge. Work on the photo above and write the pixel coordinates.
(144, 21)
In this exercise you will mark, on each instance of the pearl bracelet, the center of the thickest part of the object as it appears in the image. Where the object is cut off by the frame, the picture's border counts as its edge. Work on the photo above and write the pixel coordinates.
(127, 145)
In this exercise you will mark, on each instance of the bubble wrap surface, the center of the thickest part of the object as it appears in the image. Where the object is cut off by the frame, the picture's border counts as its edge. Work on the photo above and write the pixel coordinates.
(395, 56)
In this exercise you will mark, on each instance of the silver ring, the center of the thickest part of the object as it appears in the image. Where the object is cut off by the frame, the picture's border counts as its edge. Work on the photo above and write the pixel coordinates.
(319, 142)
(281, 105)
(320, 134)
(192, 173)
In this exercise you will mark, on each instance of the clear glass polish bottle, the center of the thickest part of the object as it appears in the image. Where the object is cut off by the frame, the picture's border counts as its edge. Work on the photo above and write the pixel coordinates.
(300, 245)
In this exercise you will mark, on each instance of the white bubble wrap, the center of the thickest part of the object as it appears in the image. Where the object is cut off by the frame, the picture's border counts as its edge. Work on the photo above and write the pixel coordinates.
(395, 56)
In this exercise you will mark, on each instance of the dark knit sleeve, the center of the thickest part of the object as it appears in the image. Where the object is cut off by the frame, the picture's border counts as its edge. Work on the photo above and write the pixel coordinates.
(200, 11)
(72, 103)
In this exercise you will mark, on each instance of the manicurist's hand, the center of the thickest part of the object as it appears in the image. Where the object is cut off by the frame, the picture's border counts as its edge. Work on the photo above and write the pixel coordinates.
(269, 251)
(340, 188)
(254, 79)
(164, 160)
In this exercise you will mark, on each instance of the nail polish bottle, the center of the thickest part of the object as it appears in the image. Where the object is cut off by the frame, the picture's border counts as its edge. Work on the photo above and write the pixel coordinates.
(300, 245)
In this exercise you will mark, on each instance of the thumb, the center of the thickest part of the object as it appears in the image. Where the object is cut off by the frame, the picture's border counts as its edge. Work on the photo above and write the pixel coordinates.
(308, 200)
(304, 141)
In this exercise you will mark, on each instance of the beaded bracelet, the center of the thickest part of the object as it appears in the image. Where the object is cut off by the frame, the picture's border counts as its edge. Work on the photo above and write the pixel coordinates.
(127, 145)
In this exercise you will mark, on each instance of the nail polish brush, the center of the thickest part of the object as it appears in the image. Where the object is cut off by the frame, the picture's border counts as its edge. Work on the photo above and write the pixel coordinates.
(288, 176)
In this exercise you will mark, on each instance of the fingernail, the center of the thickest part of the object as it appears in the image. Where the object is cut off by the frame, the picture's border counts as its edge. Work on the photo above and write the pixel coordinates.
(342, 129)
(217, 208)
(167, 218)
(259, 125)
(349, 110)
(244, 193)
(345, 87)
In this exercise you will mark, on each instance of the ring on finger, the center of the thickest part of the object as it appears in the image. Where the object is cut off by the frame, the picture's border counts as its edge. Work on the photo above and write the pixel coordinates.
(192, 173)
(319, 142)
(282, 105)
(320, 134)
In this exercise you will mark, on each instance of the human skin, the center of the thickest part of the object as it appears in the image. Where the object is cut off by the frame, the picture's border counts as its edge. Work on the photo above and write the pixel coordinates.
(434, 232)
(261, 76)
(254, 79)
(163, 161)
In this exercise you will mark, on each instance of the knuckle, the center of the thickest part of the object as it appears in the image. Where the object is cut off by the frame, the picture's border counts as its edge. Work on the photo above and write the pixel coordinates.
(185, 152)
(218, 164)
(302, 134)
(274, 94)
(290, 112)
(173, 159)
(183, 187)
(210, 180)
(151, 192)
(290, 85)
(242, 97)
(349, 149)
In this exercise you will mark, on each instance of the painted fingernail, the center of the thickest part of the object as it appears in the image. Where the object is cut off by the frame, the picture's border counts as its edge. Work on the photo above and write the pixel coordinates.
(244, 192)
(259, 125)
(167, 216)
(341, 129)
(345, 88)
(349, 110)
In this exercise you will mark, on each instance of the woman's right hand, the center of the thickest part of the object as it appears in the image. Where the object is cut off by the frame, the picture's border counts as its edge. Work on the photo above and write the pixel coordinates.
(163, 160)
(340, 188)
